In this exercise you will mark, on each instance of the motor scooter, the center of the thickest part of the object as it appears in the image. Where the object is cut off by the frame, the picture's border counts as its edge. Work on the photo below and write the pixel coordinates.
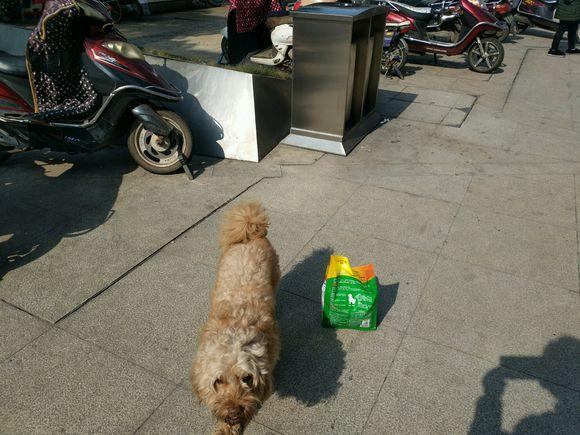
(461, 26)
(539, 13)
(124, 94)
(502, 10)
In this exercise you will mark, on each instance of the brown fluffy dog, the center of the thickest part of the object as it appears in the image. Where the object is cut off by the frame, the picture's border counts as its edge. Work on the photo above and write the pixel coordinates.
(239, 345)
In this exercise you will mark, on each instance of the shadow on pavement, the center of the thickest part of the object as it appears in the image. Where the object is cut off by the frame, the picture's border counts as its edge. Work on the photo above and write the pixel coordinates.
(58, 196)
(387, 298)
(206, 131)
(561, 361)
(312, 357)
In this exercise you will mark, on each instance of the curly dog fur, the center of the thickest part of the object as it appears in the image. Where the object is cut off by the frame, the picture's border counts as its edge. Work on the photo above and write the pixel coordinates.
(239, 345)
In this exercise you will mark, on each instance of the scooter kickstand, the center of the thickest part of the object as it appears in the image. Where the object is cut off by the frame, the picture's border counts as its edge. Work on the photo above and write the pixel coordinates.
(184, 164)
(435, 58)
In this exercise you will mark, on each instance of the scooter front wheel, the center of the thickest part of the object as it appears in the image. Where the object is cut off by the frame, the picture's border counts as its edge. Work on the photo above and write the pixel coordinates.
(160, 155)
(485, 55)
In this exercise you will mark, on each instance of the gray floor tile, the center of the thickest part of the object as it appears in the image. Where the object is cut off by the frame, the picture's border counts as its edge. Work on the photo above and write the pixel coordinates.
(181, 413)
(152, 316)
(81, 256)
(433, 389)
(414, 221)
(60, 383)
(17, 329)
(524, 248)
(491, 314)
(288, 232)
(307, 196)
(543, 198)
(402, 272)
(326, 380)
(445, 187)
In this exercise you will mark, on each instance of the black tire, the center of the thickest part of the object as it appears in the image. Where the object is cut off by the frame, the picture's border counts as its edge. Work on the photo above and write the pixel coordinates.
(503, 35)
(488, 61)
(400, 49)
(151, 156)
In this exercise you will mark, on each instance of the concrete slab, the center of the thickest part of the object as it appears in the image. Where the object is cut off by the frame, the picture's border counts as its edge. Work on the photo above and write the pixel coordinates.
(450, 188)
(402, 272)
(152, 317)
(17, 329)
(307, 196)
(521, 247)
(288, 232)
(319, 371)
(181, 413)
(487, 314)
(62, 383)
(105, 245)
(542, 198)
(435, 389)
(410, 220)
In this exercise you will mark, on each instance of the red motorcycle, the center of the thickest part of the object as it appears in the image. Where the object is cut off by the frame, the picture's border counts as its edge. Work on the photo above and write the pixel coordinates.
(502, 10)
(452, 28)
(92, 89)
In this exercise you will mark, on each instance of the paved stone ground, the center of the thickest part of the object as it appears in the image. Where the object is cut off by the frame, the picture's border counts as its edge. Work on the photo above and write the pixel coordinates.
(466, 201)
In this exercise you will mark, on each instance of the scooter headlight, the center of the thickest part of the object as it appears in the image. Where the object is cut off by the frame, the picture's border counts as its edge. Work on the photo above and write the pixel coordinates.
(125, 49)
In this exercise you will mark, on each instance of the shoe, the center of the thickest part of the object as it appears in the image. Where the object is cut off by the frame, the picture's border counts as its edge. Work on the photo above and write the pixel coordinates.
(573, 51)
(558, 53)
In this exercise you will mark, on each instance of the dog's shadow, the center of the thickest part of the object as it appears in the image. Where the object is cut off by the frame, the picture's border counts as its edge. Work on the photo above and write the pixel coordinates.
(313, 358)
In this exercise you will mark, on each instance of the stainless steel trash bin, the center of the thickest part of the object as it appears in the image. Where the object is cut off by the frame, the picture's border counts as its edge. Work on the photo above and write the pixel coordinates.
(337, 56)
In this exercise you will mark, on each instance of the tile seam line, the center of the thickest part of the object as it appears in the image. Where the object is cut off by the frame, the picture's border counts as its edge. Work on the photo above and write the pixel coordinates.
(13, 354)
(156, 408)
(154, 253)
(513, 275)
(480, 358)
(117, 356)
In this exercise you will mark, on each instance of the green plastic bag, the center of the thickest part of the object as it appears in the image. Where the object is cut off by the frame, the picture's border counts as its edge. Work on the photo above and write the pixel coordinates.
(349, 296)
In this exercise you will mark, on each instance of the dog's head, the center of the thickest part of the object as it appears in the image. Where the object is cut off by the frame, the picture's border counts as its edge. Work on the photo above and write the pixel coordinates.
(234, 383)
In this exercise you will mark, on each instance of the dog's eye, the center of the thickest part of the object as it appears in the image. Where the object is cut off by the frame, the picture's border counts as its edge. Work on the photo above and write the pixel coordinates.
(247, 379)
(217, 382)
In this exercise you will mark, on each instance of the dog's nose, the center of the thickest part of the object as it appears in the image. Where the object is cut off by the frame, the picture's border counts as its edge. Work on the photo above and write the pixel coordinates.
(235, 415)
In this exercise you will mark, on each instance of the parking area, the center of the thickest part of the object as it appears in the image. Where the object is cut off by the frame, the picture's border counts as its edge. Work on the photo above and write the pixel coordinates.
(465, 201)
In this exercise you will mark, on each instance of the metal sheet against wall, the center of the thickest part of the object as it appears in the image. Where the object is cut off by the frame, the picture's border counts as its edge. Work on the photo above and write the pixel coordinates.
(219, 106)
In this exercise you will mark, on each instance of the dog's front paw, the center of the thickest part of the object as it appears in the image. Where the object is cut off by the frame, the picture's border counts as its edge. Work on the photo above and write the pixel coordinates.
(223, 428)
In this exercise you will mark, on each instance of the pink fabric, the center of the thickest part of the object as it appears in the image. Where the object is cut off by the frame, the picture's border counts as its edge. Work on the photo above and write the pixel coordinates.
(252, 13)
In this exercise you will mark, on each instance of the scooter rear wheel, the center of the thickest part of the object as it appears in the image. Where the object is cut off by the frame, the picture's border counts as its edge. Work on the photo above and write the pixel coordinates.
(160, 155)
(487, 57)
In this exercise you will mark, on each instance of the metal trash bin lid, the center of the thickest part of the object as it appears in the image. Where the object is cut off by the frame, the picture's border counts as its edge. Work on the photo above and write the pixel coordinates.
(338, 11)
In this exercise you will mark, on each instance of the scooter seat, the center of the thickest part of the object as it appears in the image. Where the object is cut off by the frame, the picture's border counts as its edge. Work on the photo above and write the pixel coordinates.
(13, 65)
(417, 13)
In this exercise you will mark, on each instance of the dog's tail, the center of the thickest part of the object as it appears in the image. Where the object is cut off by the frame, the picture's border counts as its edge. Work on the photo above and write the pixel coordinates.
(244, 223)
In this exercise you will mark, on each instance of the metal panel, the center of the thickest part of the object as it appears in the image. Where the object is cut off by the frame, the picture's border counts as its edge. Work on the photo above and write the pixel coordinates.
(13, 39)
(337, 54)
(221, 108)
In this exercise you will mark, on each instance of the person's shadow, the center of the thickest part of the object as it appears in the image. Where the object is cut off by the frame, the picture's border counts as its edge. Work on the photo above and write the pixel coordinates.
(561, 361)
(313, 358)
